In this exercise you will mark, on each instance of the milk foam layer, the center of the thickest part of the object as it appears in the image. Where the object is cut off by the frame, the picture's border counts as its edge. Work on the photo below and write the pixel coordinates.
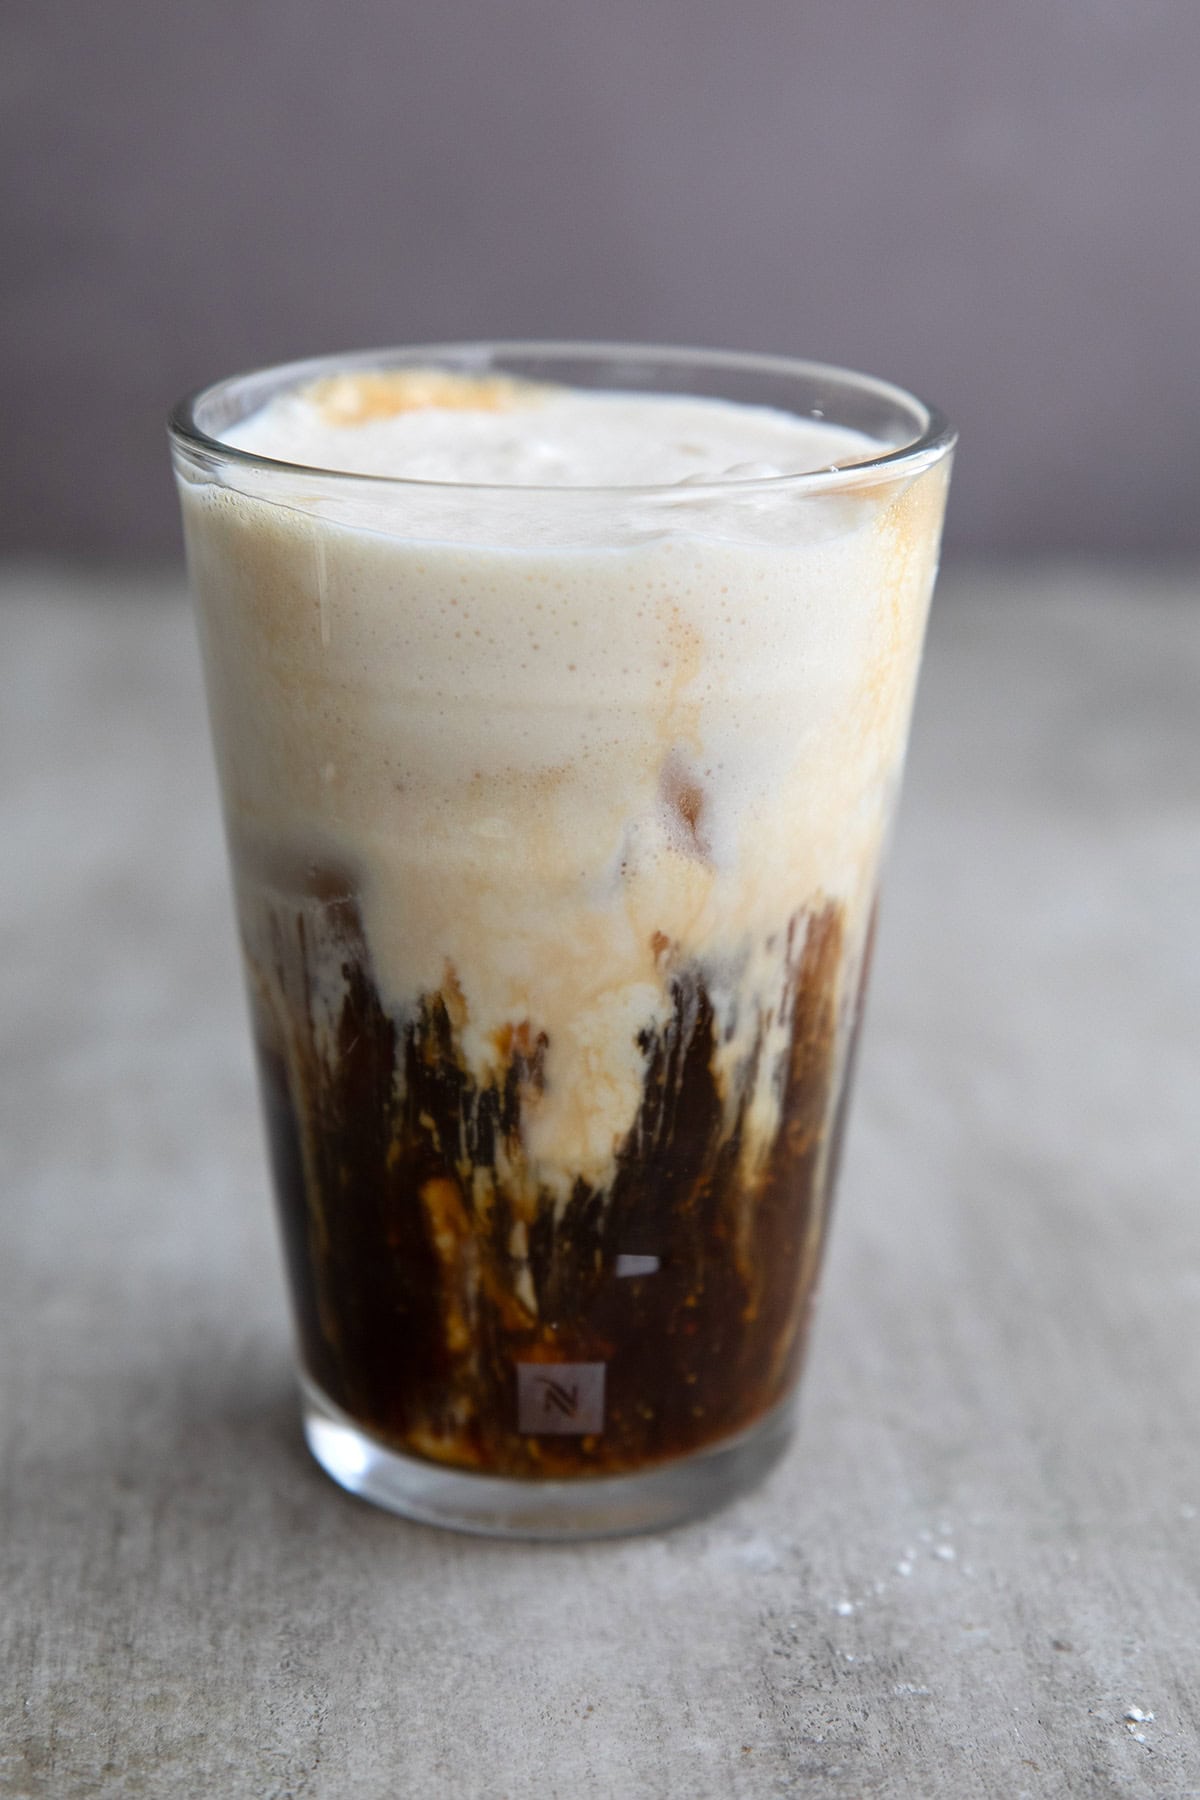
(424, 426)
(563, 754)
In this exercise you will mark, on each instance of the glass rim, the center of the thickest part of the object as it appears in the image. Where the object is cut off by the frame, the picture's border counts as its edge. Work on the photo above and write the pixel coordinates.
(934, 438)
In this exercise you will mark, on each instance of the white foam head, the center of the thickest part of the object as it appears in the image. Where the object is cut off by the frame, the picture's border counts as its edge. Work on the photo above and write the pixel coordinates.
(551, 721)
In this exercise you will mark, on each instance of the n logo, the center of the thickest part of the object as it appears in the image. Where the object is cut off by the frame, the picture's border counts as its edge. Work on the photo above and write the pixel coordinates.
(560, 1399)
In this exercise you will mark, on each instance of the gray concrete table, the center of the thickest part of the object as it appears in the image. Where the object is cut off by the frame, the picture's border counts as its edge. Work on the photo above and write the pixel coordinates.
(980, 1566)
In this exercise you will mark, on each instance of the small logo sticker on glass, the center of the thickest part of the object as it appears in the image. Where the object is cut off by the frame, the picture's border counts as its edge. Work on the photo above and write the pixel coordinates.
(560, 1399)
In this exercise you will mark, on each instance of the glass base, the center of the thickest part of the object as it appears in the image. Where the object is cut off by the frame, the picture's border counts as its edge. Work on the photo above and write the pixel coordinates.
(494, 1506)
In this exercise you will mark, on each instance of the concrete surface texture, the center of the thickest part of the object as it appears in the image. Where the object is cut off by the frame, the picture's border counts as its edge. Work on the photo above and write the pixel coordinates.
(978, 1571)
(992, 204)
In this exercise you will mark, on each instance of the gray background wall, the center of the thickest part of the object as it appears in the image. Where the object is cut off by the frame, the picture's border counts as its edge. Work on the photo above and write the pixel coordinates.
(993, 201)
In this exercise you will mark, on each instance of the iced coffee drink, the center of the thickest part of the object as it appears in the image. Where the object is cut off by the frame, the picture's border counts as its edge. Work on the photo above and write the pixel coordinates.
(560, 702)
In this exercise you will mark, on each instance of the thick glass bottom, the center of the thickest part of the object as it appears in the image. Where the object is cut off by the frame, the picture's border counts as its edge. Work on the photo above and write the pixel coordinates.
(494, 1506)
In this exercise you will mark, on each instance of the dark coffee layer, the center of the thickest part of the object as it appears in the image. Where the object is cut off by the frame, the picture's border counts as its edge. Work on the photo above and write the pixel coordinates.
(620, 1329)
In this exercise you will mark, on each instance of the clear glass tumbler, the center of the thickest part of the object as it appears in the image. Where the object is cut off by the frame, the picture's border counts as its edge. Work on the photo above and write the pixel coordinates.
(555, 817)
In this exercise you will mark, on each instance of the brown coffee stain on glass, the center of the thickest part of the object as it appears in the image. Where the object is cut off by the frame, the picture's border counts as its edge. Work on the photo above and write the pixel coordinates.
(426, 1265)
